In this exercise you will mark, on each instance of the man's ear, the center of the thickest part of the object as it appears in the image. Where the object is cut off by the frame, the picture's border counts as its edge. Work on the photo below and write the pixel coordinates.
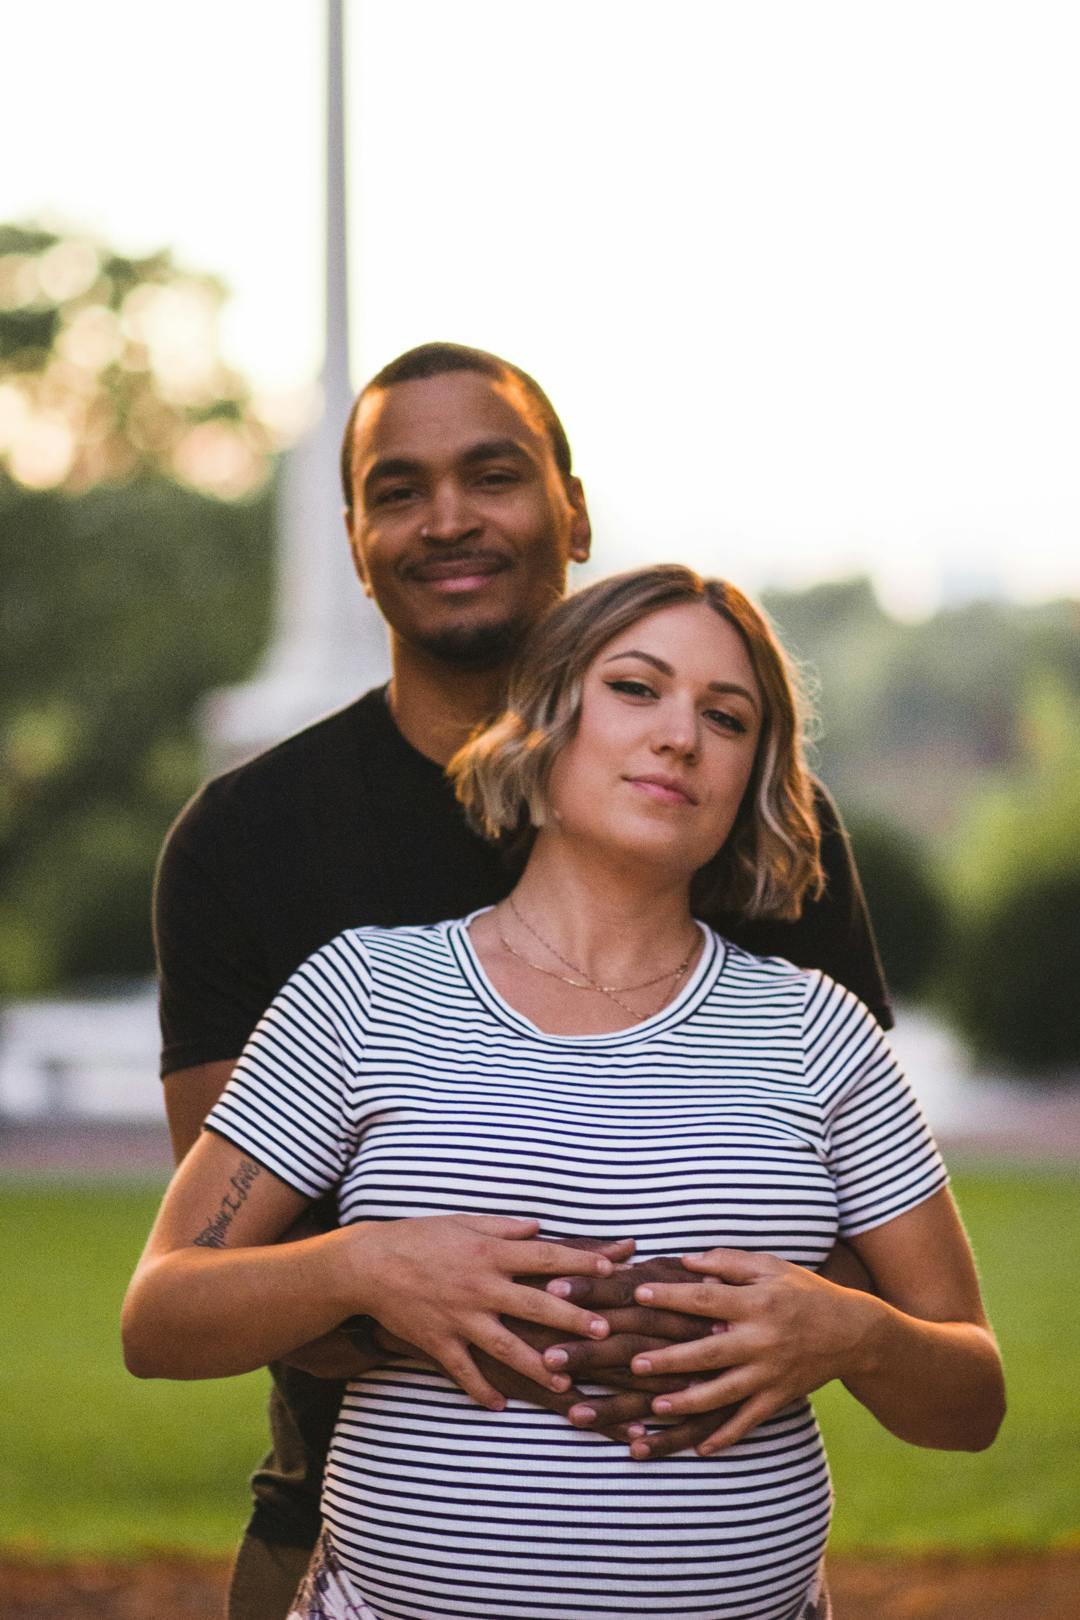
(580, 527)
(358, 561)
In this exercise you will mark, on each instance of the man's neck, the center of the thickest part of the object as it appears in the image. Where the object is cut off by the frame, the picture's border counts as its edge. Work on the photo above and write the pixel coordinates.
(435, 705)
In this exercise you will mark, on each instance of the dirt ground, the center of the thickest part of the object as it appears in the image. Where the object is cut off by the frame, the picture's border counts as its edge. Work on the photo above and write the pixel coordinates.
(1005, 1588)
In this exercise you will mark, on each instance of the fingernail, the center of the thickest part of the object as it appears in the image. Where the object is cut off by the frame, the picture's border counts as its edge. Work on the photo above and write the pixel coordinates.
(705, 1450)
(497, 1405)
(642, 1364)
(604, 1266)
(598, 1327)
(635, 1430)
(661, 1405)
(559, 1288)
(719, 1327)
(559, 1382)
(582, 1414)
(639, 1450)
(644, 1294)
(556, 1358)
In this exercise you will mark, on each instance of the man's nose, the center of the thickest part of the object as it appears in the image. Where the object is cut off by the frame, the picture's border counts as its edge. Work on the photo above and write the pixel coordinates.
(450, 515)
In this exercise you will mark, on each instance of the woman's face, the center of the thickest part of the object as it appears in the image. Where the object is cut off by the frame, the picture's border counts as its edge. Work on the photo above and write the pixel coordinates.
(670, 719)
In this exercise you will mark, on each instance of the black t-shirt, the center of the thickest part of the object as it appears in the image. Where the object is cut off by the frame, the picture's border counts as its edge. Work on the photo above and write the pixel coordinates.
(343, 825)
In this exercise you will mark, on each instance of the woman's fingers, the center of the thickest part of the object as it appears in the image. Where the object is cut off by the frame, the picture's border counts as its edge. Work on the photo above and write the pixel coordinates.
(461, 1367)
(536, 1306)
(708, 1297)
(746, 1417)
(717, 1349)
(706, 1394)
(541, 1257)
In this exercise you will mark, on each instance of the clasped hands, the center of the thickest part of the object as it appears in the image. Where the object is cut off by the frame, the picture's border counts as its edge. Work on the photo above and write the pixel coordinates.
(710, 1356)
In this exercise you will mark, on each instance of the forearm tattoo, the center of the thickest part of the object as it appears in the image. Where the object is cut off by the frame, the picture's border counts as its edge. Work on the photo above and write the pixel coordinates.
(213, 1233)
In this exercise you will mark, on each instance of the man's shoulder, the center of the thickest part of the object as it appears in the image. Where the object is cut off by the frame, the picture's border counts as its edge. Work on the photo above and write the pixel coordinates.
(263, 787)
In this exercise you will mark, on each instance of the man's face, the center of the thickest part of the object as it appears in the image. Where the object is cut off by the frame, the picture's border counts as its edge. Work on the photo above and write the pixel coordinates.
(462, 525)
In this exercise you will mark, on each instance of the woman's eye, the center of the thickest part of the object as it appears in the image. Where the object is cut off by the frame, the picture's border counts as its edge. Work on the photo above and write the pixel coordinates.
(632, 688)
(726, 721)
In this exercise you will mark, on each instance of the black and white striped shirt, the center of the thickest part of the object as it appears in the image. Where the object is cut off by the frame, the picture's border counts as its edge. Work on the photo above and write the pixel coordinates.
(762, 1109)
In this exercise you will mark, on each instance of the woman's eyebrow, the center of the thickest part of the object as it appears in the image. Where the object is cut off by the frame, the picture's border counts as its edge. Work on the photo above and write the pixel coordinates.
(730, 687)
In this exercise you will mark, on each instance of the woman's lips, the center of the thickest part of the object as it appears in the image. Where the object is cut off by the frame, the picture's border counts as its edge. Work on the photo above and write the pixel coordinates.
(663, 789)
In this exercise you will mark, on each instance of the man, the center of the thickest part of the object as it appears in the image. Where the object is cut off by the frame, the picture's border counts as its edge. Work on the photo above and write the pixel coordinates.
(463, 515)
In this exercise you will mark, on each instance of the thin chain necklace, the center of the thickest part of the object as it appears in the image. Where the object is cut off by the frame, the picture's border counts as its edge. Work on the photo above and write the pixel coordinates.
(613, 992)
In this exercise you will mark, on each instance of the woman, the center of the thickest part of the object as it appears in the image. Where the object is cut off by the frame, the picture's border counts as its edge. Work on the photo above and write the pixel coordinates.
(587, 1058)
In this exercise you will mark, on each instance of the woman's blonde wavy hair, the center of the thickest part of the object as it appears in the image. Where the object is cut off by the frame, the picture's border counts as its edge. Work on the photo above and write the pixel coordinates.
(771, 858)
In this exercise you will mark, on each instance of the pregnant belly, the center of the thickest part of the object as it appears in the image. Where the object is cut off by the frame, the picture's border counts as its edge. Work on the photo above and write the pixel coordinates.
(438, 1508)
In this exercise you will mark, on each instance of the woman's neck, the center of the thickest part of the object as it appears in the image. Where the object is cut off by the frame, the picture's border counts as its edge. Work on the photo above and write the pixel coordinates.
(608, 917)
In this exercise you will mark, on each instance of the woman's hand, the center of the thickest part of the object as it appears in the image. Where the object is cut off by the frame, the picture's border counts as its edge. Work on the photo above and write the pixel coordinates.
(444, 1282)
(921, 1357)
(779, 1333)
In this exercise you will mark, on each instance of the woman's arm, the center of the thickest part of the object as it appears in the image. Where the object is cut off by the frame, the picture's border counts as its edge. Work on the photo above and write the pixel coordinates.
(215, 1294)
(921, 1356)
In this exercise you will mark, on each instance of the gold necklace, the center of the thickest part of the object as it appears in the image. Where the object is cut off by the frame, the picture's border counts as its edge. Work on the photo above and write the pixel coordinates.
(611, 991)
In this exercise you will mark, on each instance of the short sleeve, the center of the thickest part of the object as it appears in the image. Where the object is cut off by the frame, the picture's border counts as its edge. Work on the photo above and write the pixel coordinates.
(880, 1151)
(291, 1102)
(213, 975)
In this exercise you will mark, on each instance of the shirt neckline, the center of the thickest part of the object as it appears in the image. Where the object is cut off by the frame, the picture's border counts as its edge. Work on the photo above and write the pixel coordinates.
(710, 965)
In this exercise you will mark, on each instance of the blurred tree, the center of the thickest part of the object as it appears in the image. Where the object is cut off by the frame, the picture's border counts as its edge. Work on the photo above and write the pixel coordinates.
(110, 369)
(910, 911)
(1015, 995)
(136, 569)
(1016, 883)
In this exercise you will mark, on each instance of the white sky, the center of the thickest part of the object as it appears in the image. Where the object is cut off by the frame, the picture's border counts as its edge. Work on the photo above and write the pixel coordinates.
(802, 279)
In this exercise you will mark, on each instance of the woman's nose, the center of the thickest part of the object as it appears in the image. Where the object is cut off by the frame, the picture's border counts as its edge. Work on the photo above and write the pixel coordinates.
(678, 731)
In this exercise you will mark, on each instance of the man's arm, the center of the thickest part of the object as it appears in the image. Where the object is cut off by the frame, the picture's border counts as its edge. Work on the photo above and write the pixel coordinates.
(189, 1096)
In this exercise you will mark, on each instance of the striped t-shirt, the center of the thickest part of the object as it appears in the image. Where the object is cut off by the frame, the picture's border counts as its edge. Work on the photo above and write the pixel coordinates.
(762, 1109)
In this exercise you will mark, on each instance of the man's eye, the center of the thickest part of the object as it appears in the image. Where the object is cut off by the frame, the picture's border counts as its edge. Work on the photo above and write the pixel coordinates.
(631, 687)
(497, 478)
(393, 495)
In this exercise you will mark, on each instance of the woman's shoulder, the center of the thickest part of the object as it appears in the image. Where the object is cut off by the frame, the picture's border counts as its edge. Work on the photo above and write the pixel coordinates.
(812, 987)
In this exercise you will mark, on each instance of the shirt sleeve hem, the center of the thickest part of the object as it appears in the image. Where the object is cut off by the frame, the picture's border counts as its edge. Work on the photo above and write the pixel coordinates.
(257, 1149)
(904, 1206)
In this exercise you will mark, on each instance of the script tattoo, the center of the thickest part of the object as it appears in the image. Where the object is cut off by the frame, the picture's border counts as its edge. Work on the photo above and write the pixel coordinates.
(213, 1233)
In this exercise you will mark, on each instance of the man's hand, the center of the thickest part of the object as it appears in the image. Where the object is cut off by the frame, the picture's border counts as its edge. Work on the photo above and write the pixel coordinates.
(778, 1333)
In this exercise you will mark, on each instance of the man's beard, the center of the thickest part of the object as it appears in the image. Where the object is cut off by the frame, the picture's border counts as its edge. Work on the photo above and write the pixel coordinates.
(477, 647)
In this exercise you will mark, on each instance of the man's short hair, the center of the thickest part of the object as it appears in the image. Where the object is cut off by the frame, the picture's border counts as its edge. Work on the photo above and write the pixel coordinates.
(437, 360)
(771, 859)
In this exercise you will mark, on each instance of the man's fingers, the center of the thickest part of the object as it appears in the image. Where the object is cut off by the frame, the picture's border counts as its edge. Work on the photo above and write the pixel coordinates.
(604, 1412)
(673, 1325)
(679, 1437)
(596, 1293)
(582, 1357)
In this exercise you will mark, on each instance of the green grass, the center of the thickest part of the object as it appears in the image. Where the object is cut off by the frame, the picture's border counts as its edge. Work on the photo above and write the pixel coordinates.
(95, 1462)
